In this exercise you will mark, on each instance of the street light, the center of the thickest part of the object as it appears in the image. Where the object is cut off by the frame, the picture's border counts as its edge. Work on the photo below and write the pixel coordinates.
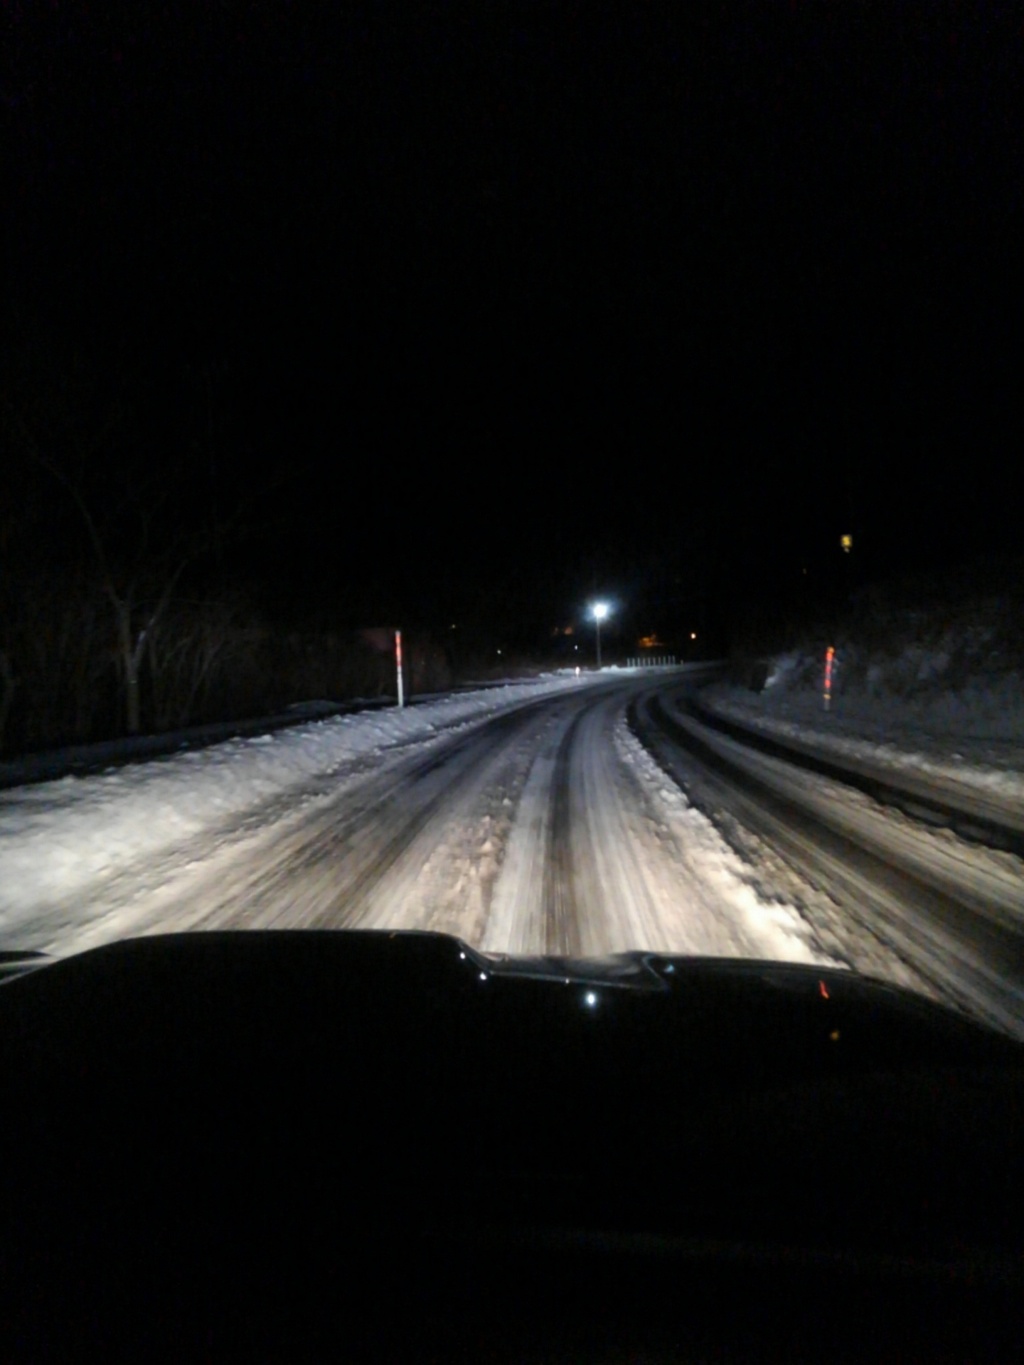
(599, 611)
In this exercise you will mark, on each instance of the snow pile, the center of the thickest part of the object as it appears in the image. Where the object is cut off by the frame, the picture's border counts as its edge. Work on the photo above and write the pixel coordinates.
(57, 837)
(912, 691)
(752, 925)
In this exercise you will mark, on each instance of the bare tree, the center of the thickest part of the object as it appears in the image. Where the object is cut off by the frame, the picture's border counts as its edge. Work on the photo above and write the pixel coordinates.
(138, 579)
(140, 533)
(193, 649)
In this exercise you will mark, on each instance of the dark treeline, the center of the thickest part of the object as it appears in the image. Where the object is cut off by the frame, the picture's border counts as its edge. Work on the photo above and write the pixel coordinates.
(133, 558)
(62, 677)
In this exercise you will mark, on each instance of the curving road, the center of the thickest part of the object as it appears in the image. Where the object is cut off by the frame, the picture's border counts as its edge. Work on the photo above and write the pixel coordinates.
(544, 829)
(597, 819)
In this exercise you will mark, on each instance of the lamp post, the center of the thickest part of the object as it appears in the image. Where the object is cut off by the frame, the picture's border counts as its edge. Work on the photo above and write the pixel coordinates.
(599, 611)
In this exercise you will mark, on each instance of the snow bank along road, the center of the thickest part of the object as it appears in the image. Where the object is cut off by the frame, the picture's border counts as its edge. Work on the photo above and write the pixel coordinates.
(531, 820)
(889, 850)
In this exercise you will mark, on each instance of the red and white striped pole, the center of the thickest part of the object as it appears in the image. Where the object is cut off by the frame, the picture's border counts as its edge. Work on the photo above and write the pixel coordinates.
(830, 654)
(398, 667)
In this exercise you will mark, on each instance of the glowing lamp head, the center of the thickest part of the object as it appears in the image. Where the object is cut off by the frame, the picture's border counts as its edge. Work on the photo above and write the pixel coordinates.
(599, 611)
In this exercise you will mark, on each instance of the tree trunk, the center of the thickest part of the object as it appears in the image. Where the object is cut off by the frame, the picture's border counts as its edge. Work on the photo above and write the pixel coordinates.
(130, 660)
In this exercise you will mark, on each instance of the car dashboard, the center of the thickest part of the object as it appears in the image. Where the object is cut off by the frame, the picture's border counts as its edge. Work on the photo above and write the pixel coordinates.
(391, 1146)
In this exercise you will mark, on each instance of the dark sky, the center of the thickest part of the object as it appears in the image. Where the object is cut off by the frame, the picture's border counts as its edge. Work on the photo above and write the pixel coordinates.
(477, 307)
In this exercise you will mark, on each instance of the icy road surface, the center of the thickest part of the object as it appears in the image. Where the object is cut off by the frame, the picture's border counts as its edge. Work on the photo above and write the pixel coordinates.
(527, 820)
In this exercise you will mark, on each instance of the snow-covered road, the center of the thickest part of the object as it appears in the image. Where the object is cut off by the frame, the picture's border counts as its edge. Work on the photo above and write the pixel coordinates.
(525, 820)
(530, 823)
(951, 909)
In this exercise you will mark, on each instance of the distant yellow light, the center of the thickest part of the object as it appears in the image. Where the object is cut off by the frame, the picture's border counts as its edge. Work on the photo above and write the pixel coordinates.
(650, 642)
(847, 543)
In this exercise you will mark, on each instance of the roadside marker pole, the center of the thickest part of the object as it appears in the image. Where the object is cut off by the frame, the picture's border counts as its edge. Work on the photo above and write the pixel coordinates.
(830, 654)
(398, 666)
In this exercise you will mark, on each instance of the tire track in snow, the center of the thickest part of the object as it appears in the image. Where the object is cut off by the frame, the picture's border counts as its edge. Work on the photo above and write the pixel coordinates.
(561, 914)
(445, 877)
(319, 865)
(597, 863)
(612, 885)
(570, 881)
(360, 876)
(518, 921)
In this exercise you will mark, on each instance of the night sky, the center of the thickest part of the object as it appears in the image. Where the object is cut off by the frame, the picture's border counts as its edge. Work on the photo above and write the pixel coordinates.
(467, 311)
